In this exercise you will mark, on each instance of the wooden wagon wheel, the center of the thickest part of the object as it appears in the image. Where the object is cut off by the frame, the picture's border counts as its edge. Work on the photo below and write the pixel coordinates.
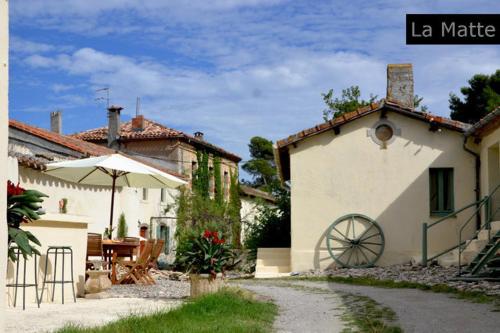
(355, 241)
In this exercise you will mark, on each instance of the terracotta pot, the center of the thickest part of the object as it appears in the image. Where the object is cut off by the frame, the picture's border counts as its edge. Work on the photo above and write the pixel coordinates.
(204, 284)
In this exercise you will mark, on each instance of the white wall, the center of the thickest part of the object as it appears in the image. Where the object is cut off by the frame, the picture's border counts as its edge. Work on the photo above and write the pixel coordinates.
(95, 201)
(4, 109)
(333, 175)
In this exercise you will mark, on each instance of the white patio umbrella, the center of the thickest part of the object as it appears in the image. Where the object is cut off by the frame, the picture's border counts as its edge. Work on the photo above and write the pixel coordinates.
(112, 170)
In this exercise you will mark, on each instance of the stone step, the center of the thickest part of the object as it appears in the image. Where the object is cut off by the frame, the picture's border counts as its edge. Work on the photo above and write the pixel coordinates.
(451, 258)
(273, 262)
(273, 269)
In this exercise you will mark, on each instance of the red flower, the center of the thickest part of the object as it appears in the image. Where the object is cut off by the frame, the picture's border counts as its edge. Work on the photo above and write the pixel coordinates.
(215, 234)
(207, 234)
(13, 189)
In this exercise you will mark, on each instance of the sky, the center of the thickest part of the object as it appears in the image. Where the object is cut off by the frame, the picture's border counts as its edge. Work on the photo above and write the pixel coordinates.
(232, 69)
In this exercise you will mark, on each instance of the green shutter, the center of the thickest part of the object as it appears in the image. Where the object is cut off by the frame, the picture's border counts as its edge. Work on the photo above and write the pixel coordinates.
(441, 191)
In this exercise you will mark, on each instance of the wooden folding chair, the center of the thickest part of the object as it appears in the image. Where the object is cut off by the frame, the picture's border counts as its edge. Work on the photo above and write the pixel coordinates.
(155, 253)
(94, 249)
(136, 270)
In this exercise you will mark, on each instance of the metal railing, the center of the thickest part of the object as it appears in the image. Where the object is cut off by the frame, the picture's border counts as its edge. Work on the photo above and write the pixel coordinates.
(486, 202)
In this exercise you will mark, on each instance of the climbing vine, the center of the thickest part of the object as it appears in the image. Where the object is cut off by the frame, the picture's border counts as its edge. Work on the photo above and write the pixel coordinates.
(219, 194)
(197, 210)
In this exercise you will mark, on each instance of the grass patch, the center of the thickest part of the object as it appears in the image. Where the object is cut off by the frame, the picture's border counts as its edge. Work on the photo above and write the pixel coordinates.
(473, 296)
(365, 315)
(231, 310)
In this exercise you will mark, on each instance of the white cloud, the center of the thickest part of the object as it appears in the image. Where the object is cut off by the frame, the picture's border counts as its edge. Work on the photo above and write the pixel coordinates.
(251, 67)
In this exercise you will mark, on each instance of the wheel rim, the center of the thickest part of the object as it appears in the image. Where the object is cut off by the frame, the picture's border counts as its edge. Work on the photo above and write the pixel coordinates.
(355, 241)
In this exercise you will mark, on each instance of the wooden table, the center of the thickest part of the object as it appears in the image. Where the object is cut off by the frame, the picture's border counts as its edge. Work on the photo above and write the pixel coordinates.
(117, 249)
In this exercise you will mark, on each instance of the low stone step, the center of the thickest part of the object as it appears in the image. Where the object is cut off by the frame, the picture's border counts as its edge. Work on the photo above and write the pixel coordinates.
(273, 269)
(273, 262)
(451, 258)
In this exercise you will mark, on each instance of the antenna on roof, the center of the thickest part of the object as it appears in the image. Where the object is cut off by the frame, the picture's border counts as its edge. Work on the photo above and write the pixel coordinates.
(107, 89)
(137, 106)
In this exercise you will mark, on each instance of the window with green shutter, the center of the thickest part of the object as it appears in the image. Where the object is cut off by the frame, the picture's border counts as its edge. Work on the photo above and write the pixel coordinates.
(441, 191)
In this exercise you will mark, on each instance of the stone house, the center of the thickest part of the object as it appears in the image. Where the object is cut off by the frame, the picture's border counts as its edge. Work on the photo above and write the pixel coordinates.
(31, 148)
(363, 184)
(162, 145)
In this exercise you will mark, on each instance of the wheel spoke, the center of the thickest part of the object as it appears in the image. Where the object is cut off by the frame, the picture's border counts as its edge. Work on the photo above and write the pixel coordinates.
(363, 253)
(357, 256)
(338, 239)
(375, 253)
(364, 232)
(339, 248)
(337, 230)
(368, 237)
(348, 227)
(371, 243)
(350, 255)
(353, 231)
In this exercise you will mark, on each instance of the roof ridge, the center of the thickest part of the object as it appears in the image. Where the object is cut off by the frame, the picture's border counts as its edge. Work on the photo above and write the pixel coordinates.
(364, 110)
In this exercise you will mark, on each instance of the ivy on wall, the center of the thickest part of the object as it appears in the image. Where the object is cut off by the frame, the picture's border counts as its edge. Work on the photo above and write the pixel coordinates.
(197, 210)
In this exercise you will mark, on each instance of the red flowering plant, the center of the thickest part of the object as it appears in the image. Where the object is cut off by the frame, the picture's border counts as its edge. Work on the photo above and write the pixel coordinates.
(208, 253)
(23, 206)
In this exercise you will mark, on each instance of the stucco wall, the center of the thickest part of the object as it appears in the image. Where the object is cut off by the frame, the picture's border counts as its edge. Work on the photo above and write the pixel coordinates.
(4, 110)
(333, 175)
(95, 201)
(490, 167)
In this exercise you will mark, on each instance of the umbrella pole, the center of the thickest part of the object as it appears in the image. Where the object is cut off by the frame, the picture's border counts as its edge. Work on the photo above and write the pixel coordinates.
(112, 204)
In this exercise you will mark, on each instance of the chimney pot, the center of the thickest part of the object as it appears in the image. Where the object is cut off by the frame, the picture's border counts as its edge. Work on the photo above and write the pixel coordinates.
(56, 122)
(400, 84)
(138, 123)
(114, 126)
(198, 135)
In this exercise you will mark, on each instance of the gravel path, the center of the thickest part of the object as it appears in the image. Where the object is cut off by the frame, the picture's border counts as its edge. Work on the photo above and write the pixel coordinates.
(417, 311)
(302, 310)
(84, 312)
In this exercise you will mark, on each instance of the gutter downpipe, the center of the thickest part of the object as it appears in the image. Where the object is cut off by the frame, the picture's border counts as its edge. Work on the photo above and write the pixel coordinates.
(478, 180)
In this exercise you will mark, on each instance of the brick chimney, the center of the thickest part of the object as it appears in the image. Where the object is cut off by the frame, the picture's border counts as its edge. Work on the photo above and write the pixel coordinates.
(114, 126)
(138, 123)
(400, 84)
(198, 135)
(56, 122)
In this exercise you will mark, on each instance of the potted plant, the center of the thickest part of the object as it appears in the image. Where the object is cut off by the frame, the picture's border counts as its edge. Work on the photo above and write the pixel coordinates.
(207, 260)
(23, 206)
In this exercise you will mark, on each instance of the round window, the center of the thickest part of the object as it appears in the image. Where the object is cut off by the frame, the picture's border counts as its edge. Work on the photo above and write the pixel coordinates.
(384, 132)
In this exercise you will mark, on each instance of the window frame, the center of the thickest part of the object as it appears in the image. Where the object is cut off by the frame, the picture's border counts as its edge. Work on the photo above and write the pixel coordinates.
(440, 191)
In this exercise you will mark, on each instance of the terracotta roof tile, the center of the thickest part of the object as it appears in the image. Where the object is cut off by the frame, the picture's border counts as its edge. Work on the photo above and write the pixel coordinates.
(81, 146)
(63, 140)
(152, 130)
(281, 151)
(350, 116)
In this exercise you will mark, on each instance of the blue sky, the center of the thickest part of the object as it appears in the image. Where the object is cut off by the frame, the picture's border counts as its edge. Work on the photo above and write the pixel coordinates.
(232, 69)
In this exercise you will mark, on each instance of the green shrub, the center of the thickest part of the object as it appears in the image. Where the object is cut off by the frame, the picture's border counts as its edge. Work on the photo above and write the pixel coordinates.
(122, 230)
(272, 225)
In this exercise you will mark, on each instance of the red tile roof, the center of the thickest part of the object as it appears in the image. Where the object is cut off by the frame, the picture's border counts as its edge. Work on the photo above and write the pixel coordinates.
(281, 153)
(152, 130)
(63, 140)
(81, 146)
(373, 107)
(486, 125)
(253, 192)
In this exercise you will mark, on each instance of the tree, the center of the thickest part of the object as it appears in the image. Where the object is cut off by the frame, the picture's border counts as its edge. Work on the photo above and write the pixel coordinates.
(261, 165)
(480, 97)
(351, 101)
(122, 230)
